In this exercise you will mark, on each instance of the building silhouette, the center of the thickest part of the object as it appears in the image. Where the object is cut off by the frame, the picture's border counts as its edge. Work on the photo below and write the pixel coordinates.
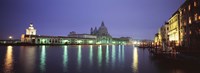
(96, 36)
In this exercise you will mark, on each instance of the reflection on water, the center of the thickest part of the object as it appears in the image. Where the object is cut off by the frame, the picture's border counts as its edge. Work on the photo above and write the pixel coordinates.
(91, 55)
(99, 55)
(43, 59)
(8, 65)
(107, 55)
(28, 59)
(65, 58)
(79, 58)
(119, 53)
(135, 60)
(123, 54)
(87, 59)
(113, 56)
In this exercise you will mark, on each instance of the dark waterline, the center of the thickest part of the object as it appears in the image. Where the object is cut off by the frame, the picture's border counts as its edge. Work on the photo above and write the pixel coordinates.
(87, 59)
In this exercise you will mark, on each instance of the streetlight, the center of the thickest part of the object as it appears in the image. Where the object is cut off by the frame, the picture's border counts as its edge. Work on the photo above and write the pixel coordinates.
(10, 37)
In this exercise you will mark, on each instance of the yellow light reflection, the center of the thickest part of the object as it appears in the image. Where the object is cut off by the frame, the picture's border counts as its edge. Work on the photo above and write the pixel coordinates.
(8, 65)
(135, 60)
(27, 58)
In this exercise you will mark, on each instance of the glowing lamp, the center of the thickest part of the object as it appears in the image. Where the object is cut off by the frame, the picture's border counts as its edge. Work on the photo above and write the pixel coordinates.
(10, 37)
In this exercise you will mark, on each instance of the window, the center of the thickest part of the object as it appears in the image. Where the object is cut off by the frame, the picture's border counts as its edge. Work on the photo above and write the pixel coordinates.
(181, 34)
(190, 32)
(184, 10)
(184, 23)
(181, 24)
(199, 17)
(195, 3)
(190, 20)
(196, 16)
(181, 13)
(189, 7)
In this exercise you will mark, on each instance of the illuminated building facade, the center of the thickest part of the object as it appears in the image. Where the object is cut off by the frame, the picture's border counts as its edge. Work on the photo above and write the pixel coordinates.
(31, 30)
(73, 34)
(174, 30)
(164, 35)
(190, 23)
(156, 40)
(183, 28)
(100, 36)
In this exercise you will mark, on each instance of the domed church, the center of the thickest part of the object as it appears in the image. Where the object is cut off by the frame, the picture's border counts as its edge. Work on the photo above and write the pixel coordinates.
(102, 34)
(97, 36)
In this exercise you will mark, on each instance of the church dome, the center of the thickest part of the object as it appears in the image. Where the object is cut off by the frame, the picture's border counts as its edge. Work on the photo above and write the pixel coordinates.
(103, 31)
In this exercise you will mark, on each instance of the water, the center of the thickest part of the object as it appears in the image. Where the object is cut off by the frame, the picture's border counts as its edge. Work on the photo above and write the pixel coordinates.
(87, 59)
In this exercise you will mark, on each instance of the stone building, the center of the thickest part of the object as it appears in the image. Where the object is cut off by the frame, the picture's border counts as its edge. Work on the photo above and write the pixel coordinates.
(174, 29)
(164, 34)
(100, 36)
(184, 27)
(31, 30)
(190, 23)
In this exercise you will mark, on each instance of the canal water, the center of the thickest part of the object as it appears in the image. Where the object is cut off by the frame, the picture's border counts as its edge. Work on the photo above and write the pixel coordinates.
(87, 59)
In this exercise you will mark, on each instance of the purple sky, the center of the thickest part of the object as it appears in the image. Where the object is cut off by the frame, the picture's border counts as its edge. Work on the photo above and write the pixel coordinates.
(134, 18)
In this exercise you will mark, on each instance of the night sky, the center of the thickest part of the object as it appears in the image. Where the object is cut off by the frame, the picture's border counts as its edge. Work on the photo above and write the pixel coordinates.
(139, 19)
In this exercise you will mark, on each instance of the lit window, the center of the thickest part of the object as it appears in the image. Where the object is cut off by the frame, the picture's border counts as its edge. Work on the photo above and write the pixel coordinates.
(180, 24)
(190, 32)
(199, 30)
(199, 17)
(180, 12)
(195, 3)
(189, 7)
(184, 23)
(196, 17)
(190, 20)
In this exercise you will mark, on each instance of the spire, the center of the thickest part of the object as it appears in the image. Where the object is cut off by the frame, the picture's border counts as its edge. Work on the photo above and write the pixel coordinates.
(95, 30)
(91, 31)
(102, 24)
